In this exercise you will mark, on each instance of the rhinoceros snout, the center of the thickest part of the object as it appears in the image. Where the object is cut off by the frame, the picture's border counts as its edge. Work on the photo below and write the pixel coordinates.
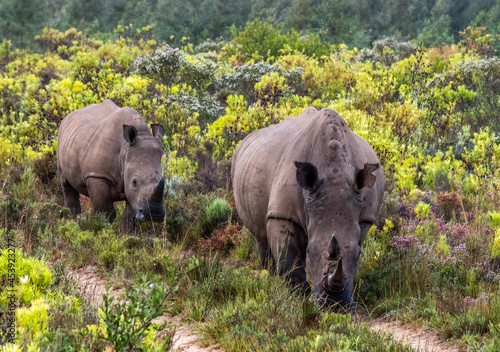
(144, 214)
(340, 301)
(140, 215)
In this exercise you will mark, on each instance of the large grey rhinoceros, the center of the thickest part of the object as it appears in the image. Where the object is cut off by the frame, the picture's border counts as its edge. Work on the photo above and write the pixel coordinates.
(109, 154)
(308, 189)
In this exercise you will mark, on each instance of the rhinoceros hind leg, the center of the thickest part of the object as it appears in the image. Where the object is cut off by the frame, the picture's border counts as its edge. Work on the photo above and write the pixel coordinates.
(100, 195)
(128, 223)
(71, 197)
(285, 240)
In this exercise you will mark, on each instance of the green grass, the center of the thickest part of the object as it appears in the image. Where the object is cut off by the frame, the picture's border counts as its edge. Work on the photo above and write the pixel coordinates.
(248, 310)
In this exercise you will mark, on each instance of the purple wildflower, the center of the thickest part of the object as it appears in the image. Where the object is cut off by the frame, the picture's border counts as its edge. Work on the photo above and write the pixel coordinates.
(460, 247)
(424, 248)
(470, 302)
(404, 241)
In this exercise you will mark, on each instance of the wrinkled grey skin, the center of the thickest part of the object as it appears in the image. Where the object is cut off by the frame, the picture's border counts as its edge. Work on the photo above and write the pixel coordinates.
(308, 189)
(109, 154)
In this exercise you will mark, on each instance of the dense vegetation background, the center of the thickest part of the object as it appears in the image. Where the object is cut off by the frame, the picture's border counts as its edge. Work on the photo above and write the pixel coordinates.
(431, 113)
(352, 22)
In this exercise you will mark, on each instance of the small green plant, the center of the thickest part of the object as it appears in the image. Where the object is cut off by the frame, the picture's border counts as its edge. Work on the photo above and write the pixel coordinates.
(33, 320)
(494, 219)
(24, 191)
(127, 324)
(388, 226)
(27, 277)
(422, 210)
(218, 211)
(495, 246)
(442, 245)
(270, 89)
(245, 247)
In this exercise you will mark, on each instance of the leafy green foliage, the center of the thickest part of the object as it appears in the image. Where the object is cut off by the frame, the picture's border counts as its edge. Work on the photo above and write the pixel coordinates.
(218, 211)
(27, 277)
(127, 323)
(356, 23)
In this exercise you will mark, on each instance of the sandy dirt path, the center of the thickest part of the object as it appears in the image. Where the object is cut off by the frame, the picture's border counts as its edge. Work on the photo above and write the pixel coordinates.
(420, 340)
(185, 339)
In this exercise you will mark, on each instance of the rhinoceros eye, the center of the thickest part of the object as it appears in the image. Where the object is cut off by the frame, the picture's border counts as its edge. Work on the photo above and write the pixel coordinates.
(134, 183)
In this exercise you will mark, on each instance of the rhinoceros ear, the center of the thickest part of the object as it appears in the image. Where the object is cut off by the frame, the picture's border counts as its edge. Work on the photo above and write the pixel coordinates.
(158, 130)
(364, 177)
(307, 176)
(129, 133)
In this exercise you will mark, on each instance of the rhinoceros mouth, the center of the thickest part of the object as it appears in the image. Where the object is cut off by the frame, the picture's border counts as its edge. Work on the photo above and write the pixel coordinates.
(150, 213)
(150, 218)
(339, 301)
(158, 218)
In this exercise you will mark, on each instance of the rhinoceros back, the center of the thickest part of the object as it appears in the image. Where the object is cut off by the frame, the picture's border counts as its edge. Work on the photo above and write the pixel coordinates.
(90, 141)
(263, 169)
(255, 163)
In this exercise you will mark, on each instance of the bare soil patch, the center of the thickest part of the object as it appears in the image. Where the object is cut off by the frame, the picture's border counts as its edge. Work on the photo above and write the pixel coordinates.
(420, 340)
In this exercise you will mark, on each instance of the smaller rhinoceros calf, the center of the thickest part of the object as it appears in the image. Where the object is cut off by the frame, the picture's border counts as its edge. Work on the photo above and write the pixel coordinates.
(109, 154)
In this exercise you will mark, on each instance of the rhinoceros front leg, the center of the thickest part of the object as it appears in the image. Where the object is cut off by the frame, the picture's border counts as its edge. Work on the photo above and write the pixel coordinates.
(71, 197)
(266, 258)
(100, 195)
(285, 241)
(128, 222)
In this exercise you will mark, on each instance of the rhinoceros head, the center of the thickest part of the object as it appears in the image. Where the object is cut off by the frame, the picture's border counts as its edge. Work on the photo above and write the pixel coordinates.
(142, 176)
(338, 218)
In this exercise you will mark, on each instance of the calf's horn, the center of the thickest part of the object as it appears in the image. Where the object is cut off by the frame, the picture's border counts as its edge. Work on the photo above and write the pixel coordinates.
(158, 191)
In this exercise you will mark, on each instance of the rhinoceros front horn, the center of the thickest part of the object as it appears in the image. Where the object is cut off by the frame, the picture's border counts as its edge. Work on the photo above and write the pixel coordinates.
(158, 191)
(335, 281)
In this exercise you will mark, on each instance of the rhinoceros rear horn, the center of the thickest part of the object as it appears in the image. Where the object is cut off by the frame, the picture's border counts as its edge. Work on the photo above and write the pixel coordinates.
(158, 191)
(129, 133)
(158, 130)
(364, 177)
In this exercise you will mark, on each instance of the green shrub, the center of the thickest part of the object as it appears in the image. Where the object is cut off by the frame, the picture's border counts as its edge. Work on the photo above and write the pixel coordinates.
(33, 320)
(259, 40)
(218, 211)
(24, 190)
(128, 324)
(495, 246)
(107, 259)
(422, 210)
(27, 277)
(494, 219)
